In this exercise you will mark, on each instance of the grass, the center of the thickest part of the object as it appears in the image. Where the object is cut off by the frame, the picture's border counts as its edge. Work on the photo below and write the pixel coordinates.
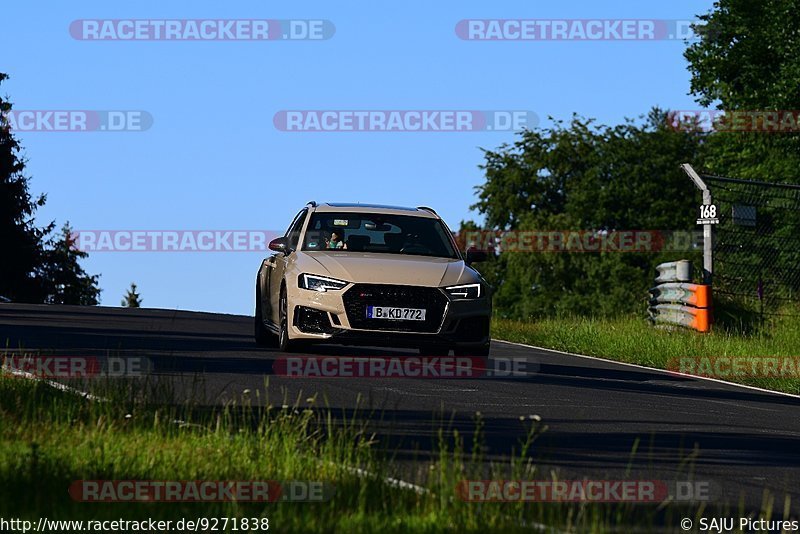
(50, 438)
(634, 340)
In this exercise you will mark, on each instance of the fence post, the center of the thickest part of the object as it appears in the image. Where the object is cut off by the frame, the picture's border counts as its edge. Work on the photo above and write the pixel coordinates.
(708, 236)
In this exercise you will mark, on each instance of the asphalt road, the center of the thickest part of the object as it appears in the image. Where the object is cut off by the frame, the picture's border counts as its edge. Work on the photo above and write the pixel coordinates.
(597, 413)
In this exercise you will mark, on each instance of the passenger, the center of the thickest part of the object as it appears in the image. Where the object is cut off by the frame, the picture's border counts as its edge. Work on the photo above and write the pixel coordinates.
(335, 242)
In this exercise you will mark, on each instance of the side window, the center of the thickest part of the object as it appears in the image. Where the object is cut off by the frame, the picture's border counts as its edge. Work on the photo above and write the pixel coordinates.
(293, 233)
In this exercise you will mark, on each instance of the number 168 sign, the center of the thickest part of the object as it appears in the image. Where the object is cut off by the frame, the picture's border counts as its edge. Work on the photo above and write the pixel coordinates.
(707, 214)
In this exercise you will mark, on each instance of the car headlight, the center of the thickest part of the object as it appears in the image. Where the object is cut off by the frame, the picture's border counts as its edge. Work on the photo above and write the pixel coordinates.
(468, 291)
(320, 283)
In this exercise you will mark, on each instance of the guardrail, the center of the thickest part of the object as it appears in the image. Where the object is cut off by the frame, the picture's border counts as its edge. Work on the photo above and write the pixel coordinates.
(676, 301)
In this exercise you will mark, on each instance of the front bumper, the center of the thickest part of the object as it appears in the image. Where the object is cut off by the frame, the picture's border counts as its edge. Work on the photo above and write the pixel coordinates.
(339, 317)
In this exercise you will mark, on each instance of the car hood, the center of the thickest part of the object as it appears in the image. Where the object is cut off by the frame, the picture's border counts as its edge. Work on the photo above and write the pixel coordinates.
(375, 268)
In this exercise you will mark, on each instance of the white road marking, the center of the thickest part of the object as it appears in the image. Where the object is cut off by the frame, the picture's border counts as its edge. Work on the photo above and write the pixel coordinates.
(663, 371)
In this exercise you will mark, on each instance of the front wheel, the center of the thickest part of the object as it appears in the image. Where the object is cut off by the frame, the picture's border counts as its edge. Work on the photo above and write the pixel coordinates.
(263, 337)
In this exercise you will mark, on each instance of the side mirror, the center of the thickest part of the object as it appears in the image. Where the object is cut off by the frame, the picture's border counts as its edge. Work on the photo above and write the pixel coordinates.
(280, 244)
(475, 255)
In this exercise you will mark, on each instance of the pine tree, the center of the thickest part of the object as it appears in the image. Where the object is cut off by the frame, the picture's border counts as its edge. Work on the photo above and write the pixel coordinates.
(20, 240)
(65, 280)
(132, 299)
(36, 267)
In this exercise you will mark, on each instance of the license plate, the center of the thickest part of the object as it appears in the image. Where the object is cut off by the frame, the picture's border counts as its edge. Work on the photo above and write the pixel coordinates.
(389, 312)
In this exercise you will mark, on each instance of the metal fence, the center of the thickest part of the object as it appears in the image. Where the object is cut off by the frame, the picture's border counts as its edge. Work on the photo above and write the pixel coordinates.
(755, 245)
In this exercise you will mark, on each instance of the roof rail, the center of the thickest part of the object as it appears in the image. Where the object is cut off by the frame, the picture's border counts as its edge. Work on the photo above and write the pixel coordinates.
(312, 203)
(426, 208)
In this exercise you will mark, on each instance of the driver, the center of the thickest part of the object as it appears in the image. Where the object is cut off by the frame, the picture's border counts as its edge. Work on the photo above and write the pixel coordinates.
(336, 242)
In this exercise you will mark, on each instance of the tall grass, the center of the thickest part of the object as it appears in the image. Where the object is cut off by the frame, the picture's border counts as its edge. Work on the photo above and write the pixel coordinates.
(50, 438)
(634, 340)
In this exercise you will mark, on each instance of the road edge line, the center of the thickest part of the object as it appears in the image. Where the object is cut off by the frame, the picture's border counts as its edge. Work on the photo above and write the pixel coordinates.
(665, 371)
(57, 385)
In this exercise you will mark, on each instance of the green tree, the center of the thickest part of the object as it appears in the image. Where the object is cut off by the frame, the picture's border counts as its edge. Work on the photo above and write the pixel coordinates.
(748, 56)
(580, 176)
(36, 267)
(64, 278)
(748, 59)
(20, 238)
(132, 299)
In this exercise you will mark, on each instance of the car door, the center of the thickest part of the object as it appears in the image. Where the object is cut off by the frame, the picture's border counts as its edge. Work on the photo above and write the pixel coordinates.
(276, 265)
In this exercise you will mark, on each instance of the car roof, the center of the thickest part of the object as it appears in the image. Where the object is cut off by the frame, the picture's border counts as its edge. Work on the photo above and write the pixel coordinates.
(347, 207)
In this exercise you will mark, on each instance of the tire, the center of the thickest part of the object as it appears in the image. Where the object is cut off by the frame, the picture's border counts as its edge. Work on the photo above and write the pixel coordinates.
(263, 337)
(284, 343)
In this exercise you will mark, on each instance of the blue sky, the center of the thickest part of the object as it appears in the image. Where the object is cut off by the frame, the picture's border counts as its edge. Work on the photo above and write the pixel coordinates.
(213, 160)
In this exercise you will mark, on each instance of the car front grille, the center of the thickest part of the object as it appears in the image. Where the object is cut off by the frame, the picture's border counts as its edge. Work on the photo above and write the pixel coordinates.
(357, 298)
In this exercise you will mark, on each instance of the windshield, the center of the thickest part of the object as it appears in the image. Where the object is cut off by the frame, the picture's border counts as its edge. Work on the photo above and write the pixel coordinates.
(377, 232)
